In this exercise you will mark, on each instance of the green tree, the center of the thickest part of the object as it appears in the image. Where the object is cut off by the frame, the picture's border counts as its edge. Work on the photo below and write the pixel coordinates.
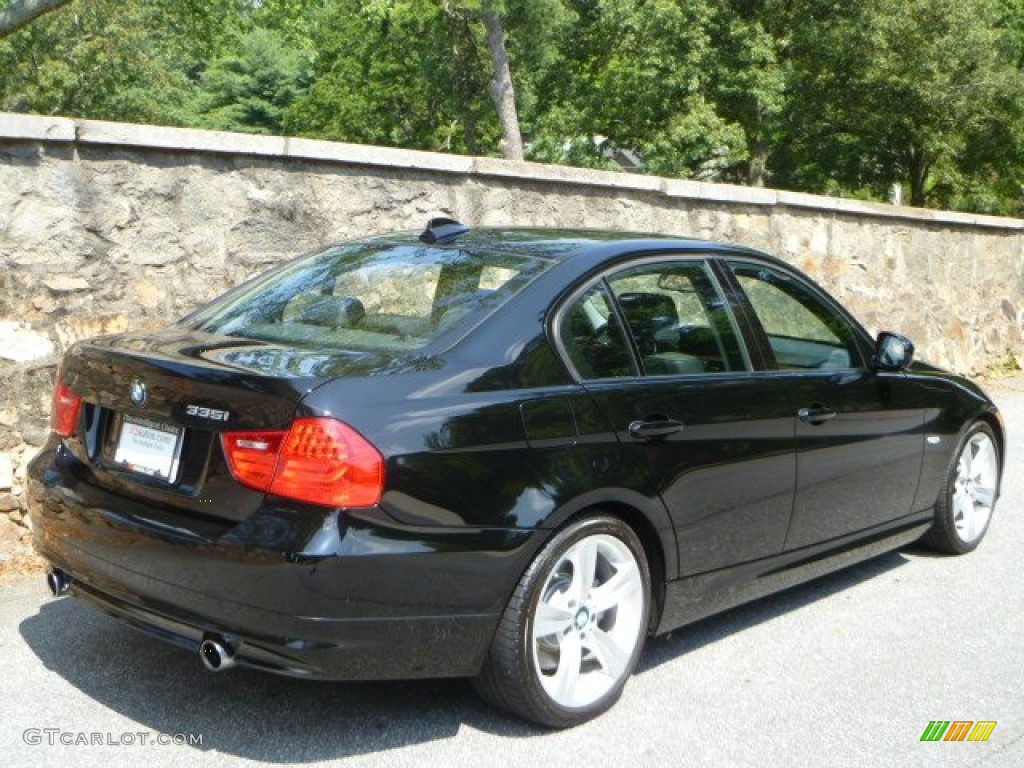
(114, 59)
(751, 74)
(250, 87)
(95, 59)
(404, 74)
(294, 20)
(637, 76)
(519, 34)
(889, 93)
(846, 97)
(501, 87)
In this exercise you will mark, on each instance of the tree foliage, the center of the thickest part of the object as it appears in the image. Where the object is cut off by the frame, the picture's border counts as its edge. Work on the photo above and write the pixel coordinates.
(406, 74)
(65, 63)
(894, 93)
(751, 74)
(635, 75)
(846, 97)
(250, 88)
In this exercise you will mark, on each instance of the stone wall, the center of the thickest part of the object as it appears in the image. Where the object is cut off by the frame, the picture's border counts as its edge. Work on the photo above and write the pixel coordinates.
(106, 227)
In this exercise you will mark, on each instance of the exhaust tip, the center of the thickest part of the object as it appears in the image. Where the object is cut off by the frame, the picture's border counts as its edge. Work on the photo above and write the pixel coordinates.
(59, 582)
(217, 654)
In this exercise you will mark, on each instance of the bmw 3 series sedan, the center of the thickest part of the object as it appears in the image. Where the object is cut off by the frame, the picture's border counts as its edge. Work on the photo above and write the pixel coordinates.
(509, 455)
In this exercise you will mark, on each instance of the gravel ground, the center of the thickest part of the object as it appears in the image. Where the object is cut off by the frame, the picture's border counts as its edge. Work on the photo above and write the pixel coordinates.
(845, 671)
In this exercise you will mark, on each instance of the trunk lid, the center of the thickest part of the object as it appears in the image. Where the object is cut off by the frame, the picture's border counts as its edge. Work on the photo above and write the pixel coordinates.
(154, 405)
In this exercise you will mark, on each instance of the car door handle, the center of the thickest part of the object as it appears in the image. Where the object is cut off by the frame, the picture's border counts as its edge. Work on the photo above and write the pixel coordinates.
(816, 414)
(644, 430)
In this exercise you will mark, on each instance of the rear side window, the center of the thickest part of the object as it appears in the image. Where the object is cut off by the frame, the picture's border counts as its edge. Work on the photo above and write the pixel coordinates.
(593, 339)
(371, 296)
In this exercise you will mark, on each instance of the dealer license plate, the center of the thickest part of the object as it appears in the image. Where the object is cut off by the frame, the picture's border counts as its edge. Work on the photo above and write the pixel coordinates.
(149, 447)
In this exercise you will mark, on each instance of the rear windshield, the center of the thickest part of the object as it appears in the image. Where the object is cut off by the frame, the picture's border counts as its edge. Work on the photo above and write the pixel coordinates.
(370, 296)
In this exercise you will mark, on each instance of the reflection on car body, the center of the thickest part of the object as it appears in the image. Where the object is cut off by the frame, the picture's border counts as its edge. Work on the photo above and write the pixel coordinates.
(509, 455)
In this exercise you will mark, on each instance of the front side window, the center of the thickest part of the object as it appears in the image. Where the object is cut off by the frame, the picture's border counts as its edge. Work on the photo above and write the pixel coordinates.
(374, 296)
(678, 320)
(803, 331)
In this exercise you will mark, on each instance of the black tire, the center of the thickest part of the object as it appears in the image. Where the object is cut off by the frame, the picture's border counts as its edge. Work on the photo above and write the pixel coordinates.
(513, 677)
(948, 533)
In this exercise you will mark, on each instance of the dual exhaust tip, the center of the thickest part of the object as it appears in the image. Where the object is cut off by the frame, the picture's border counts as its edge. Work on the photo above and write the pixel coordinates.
(216, 651)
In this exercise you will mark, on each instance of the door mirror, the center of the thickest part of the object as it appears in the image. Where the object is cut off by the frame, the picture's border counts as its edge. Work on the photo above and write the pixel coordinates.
(892, 352)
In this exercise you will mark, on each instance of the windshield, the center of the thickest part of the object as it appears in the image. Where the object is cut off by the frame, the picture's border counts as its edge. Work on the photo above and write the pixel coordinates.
(370, 296)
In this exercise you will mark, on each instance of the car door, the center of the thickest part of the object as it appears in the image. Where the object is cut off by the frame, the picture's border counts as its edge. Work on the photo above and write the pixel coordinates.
(656, 346)
(859, 433)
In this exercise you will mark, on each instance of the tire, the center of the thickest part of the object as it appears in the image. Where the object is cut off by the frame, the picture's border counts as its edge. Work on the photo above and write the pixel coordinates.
(562, 653)
(964, 509)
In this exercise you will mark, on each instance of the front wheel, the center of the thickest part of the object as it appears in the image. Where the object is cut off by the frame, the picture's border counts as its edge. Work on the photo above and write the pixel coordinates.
(964, 509)
(574, 628)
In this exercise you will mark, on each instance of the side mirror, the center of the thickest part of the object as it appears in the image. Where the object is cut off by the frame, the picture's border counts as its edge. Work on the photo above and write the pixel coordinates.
(892, 352)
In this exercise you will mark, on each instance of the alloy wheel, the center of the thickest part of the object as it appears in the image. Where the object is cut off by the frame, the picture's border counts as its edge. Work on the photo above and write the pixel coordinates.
(974, 488)
(588, 621)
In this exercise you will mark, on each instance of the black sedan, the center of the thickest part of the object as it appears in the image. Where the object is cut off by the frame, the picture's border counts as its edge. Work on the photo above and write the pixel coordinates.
(509, 455)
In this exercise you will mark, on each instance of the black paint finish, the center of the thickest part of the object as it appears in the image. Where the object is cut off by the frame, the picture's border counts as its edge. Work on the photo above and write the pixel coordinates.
(739, 482)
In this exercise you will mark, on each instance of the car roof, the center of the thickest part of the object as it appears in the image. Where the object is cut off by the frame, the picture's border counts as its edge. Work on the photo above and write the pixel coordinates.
(563, 244)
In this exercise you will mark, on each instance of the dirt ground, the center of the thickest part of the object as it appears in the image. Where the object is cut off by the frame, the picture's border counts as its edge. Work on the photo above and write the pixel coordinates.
(23, 563)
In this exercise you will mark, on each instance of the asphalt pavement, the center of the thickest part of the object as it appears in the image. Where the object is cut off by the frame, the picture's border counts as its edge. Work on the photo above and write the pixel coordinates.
(846, 671)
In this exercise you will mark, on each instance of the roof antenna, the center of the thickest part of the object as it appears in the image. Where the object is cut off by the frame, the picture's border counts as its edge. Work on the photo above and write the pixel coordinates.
(442, 230)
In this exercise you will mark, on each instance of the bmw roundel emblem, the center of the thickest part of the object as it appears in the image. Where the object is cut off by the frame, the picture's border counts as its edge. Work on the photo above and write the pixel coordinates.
(138, 392)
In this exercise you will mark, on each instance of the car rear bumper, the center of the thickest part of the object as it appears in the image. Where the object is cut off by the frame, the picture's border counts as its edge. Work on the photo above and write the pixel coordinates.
(440, 646)
(299, 591)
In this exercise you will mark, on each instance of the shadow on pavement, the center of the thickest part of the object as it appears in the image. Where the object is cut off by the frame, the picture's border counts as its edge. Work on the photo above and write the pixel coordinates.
(244, 712)
(694, 636)
(274, 719)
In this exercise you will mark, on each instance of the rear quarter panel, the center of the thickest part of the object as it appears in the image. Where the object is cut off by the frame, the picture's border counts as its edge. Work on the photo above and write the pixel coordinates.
(471, 446)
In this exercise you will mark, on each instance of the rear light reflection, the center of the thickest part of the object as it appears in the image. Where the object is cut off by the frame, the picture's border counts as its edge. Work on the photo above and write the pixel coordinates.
(66, 405)
(318, 460)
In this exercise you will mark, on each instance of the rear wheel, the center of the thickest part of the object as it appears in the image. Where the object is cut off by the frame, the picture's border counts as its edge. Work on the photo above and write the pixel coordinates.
(574, 627)
(964, 510)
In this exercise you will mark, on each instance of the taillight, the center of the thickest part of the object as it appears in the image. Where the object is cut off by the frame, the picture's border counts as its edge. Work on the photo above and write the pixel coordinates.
(66, 404)
(252, 456)
(319, 460)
